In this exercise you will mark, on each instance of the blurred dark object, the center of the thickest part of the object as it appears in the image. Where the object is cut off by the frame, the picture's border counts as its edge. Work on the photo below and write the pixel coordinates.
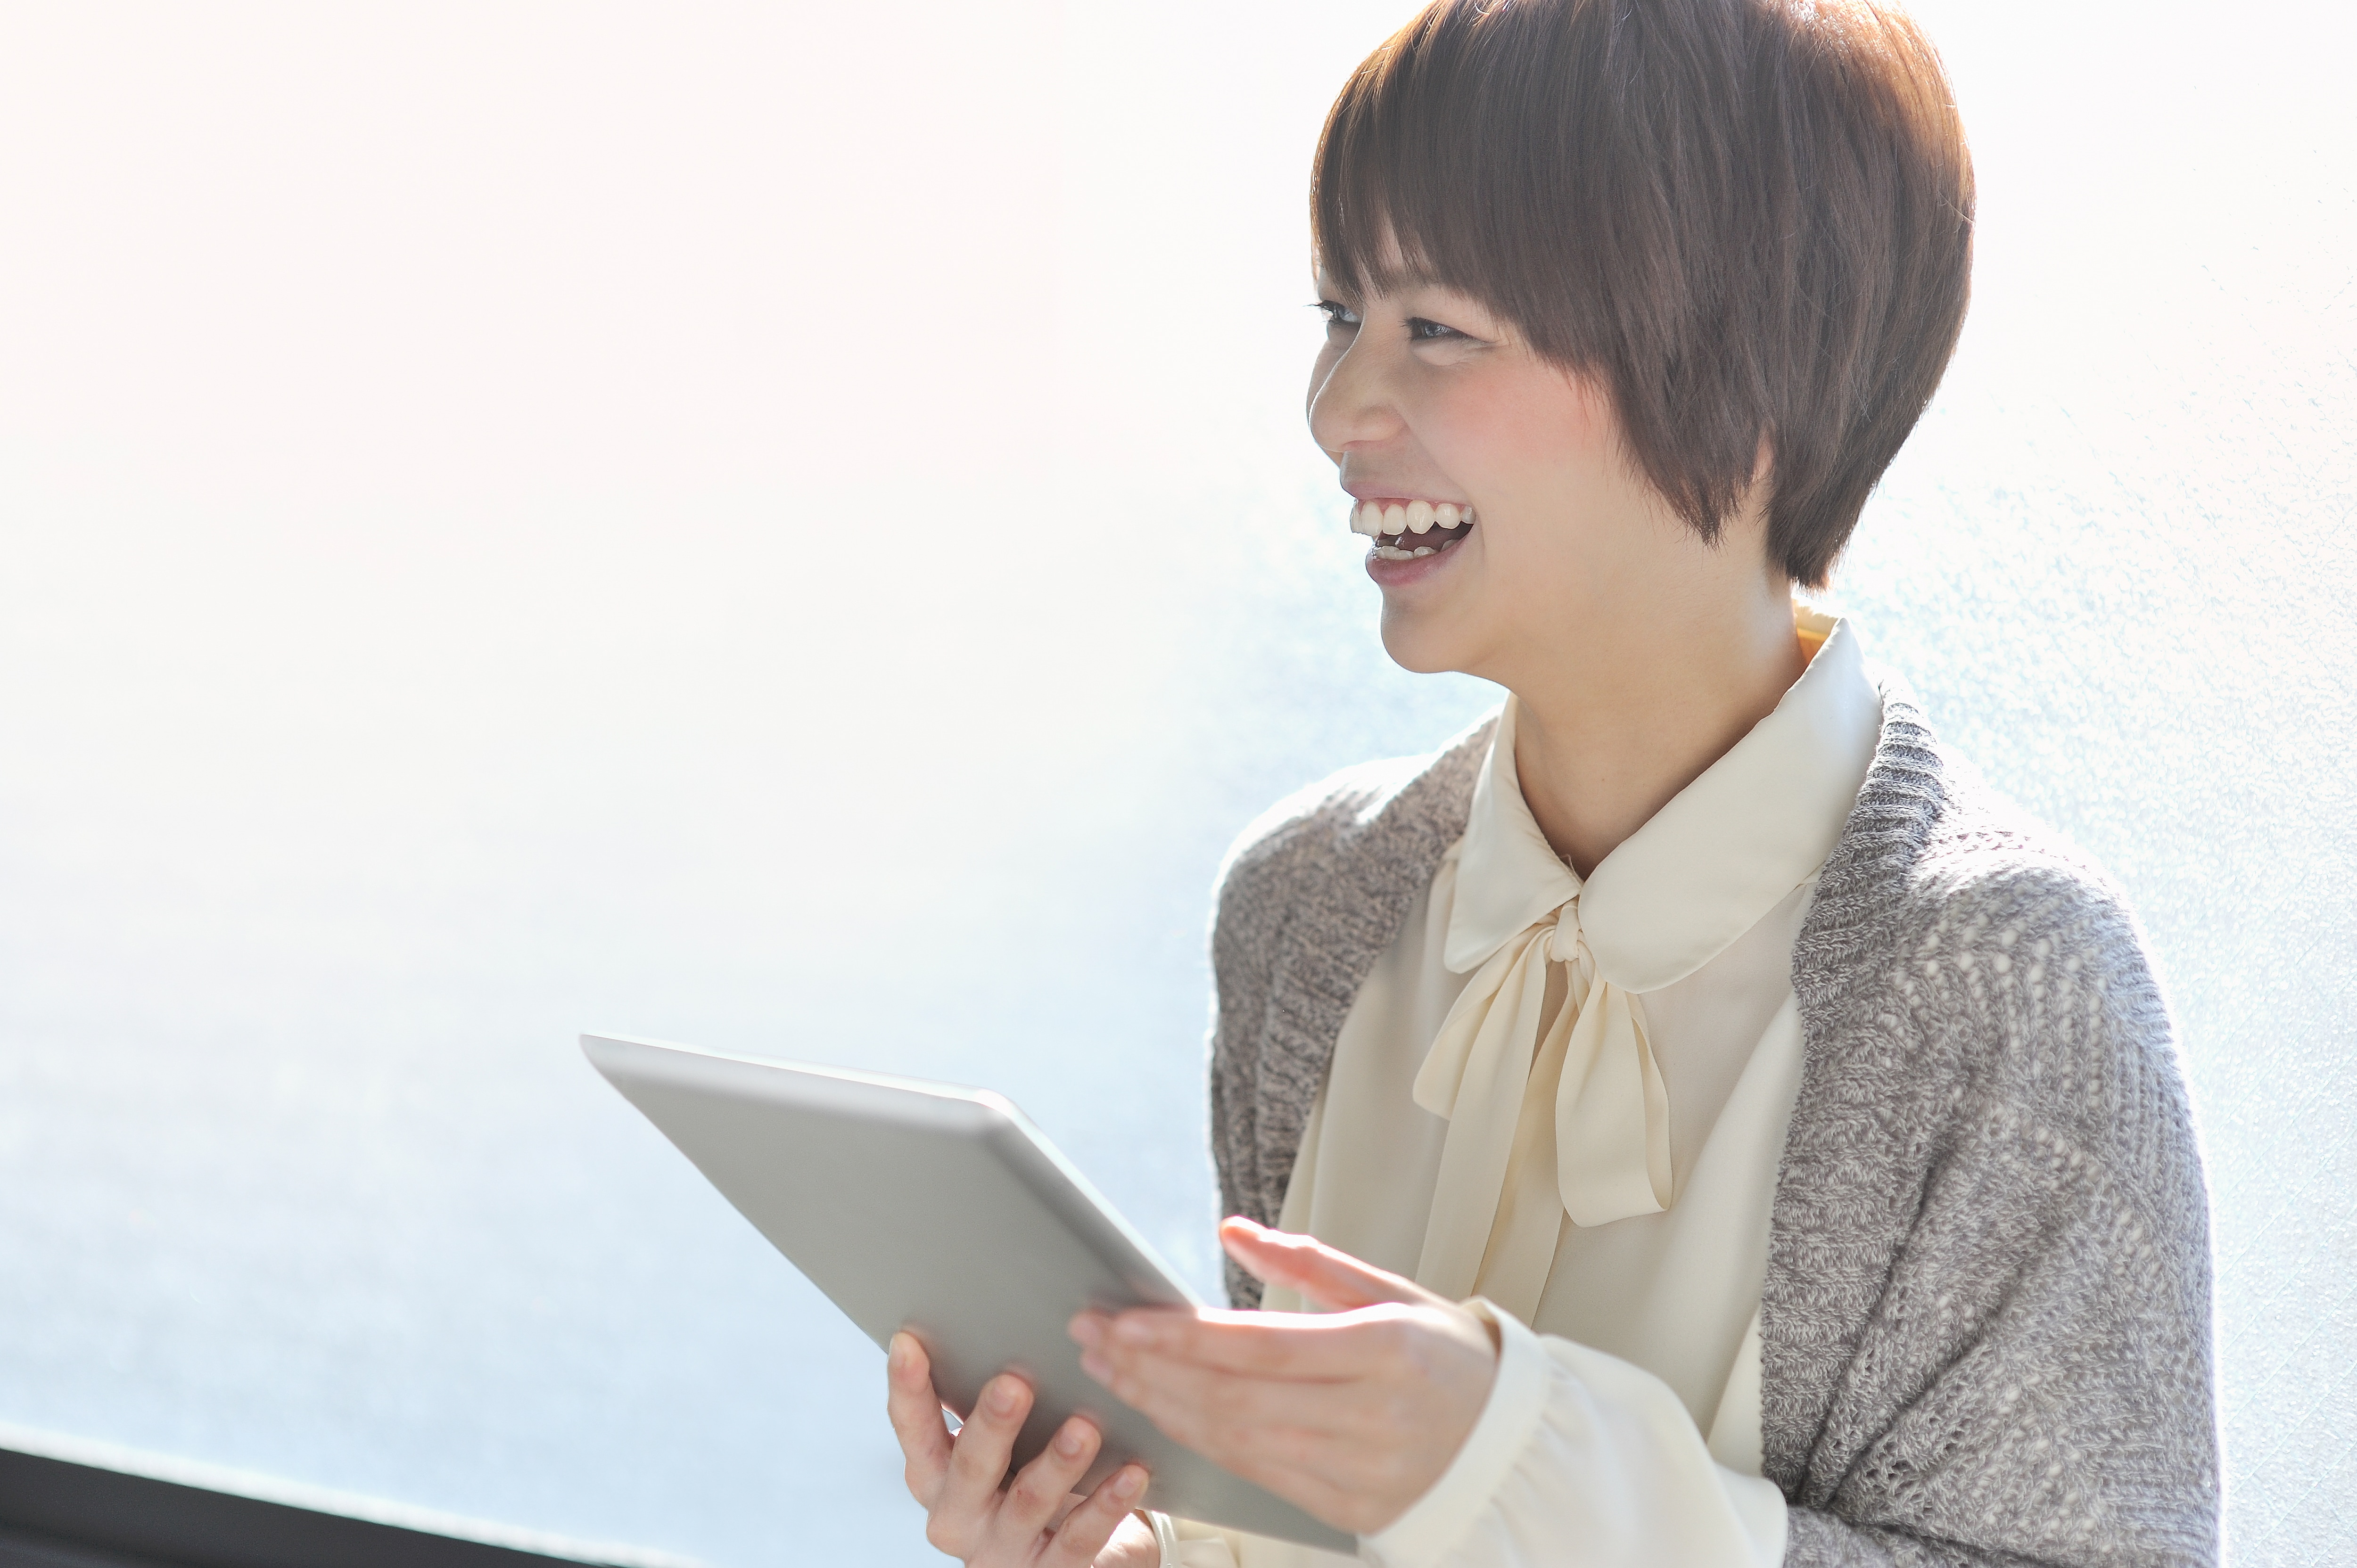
(56, 1514)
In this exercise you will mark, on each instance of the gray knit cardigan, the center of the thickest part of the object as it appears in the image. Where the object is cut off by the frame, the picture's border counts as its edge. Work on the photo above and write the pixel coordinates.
(1985, 1322)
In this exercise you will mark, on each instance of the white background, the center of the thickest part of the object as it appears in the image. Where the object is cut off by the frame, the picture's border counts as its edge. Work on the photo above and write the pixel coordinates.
(789, 527)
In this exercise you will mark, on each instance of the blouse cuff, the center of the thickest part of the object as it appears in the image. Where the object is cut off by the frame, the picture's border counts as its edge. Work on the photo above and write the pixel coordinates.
(1204, 1545)
(1576, 1446)
(1518, 1395)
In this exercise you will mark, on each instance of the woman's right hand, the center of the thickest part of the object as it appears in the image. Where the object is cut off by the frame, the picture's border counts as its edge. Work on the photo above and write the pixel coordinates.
(1035, 1520)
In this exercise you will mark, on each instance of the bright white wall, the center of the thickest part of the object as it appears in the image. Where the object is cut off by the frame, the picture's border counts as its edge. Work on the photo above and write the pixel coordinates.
(788, 527)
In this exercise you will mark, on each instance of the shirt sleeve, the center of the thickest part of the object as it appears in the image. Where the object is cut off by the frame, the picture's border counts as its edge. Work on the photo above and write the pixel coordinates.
(1575, 1445)
(1204, 1545)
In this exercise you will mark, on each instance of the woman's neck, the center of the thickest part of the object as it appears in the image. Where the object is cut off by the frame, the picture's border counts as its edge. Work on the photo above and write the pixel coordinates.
(1643, 703)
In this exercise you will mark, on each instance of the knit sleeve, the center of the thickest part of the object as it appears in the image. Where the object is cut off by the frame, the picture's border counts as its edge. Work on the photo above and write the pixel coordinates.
(1260, 882)
(1987, 1320)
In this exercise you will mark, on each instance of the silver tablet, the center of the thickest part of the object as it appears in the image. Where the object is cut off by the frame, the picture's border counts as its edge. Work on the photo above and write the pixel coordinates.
(941, 1210)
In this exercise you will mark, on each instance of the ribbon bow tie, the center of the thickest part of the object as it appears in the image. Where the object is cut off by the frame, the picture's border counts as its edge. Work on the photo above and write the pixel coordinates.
(1580, 1123)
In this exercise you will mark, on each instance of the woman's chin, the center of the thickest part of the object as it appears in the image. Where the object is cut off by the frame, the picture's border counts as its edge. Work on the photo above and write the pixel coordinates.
(1423, 602)
(1416, 645)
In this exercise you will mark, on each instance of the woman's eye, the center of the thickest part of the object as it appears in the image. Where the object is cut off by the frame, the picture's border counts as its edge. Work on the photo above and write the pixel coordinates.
(1422, 331)
(1336, 314)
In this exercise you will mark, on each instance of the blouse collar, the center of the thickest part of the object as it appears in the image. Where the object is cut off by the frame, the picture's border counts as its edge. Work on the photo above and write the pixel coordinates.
(1725, 850)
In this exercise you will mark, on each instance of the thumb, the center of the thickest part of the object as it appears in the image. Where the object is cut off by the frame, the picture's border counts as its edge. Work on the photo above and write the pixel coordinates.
(1333, 1279)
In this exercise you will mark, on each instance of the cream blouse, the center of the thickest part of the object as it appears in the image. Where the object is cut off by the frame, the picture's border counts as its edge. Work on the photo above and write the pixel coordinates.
(1569, 1099)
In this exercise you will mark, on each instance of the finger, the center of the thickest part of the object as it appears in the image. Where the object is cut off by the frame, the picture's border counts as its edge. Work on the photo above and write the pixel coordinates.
(916, 1413)
(1087, 1528)
(969, 1495)
(1091, 1329)
(1324, 1274)
(1223, 1414)
(1347, 1506)
(1041, 1487)
(1292, 1346)
(1311, 1451)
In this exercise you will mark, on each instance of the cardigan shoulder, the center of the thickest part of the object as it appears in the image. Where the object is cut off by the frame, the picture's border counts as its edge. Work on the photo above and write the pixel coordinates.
(1989, 1240)
(1297, 856)
(2003, 950)
(1281, 852)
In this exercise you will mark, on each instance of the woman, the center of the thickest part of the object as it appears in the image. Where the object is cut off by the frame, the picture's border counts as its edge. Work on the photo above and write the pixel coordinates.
(1711, 1128)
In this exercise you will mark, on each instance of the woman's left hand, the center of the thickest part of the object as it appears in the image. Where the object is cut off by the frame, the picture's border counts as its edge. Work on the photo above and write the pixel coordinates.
(1351, 1414)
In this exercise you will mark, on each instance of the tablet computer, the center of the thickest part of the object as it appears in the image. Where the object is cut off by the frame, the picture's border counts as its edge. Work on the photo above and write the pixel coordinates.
(944, 1211)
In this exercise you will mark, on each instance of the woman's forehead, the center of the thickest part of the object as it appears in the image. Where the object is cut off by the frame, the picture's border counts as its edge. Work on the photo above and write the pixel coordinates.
(1415, 286)
(1383, 264)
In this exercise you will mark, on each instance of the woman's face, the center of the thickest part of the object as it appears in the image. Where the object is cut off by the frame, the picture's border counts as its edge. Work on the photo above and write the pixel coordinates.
(1423, 394)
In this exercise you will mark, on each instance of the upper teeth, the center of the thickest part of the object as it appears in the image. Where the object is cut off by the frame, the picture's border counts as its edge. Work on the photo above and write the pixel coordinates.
(1376, 518)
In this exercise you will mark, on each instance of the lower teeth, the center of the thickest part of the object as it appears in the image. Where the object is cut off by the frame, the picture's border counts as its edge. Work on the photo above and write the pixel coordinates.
(1393, 553)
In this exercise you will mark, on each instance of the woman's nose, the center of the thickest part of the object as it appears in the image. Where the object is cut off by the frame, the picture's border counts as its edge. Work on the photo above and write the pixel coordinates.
(1352, 403)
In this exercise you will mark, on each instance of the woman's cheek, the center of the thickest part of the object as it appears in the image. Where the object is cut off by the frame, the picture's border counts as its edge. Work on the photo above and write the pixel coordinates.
(1506, 431)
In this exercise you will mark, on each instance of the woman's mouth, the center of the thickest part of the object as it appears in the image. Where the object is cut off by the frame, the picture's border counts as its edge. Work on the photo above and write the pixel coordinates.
(1404, 531)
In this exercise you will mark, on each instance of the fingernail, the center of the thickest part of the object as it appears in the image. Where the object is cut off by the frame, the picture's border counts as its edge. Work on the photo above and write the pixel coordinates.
(1097, 1367)
(1003, 1398)
(1136, 1330)
(1087, 1328)
(1071, 1440)
(896, 1357)
(1129, 1483)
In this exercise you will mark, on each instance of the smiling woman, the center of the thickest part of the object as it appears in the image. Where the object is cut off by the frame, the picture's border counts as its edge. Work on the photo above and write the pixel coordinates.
(1555, 585)
(1700, 1124)
(517, 522)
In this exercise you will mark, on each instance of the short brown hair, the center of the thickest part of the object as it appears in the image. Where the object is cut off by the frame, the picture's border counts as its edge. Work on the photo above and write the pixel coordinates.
(1747, 218)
